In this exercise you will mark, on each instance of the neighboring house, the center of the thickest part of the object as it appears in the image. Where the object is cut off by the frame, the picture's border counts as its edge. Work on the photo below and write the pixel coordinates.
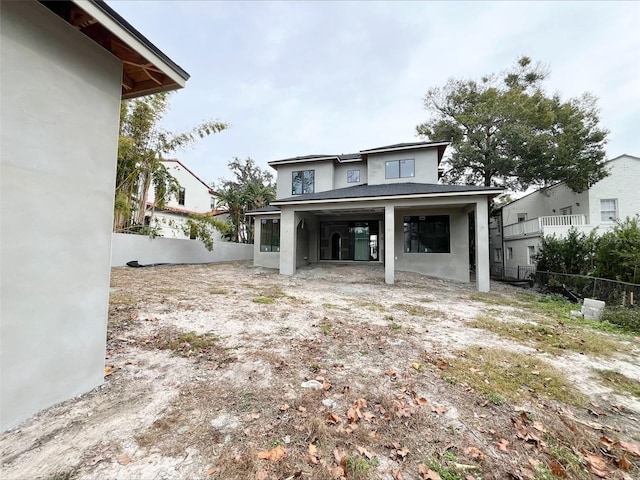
(380, 205)
(517, 228)
(194, 197)
(65, 67)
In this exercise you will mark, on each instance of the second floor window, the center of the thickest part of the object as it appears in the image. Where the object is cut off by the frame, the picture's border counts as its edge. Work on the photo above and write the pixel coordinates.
(181, 196)
(400, 169)
(270, 235)
(302, 182)
(608, 210)
(353, 176)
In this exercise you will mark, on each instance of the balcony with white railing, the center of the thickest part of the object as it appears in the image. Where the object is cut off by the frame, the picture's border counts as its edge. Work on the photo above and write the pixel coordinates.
(559, 224)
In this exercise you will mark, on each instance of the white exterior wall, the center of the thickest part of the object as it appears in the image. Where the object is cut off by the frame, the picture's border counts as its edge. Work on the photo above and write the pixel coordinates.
(146, 250)
(340, 174)
(323, 176)
(197, 196)
(520, 248)
(623, 184)
(426, 166)
(543, 203)
(60, 105)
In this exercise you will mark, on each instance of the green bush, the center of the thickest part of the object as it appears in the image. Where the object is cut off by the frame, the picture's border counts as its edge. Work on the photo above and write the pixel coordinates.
(626, 318)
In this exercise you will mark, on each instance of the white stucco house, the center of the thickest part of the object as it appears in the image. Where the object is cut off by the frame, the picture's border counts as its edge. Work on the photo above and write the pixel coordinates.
(65, 67)
(195, 197)
(381, 205)
(518, 227)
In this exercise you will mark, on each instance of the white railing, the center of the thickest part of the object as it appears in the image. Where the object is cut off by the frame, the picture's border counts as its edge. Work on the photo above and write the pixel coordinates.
(562, 221)
(535, 226)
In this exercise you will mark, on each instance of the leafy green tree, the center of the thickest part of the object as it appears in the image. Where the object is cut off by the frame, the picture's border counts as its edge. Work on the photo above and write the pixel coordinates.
(250, 188)
(506, 131)
(204, 227)
(618, 254)
(142, 144)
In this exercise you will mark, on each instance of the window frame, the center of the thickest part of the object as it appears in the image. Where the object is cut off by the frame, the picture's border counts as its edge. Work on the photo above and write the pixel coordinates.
(351, 173)
(498, 255)
(182, 194)
(269, 237)
(609, 219)
(399, 164)
(304, 183)
(509, 253)
(531, 252)
(417, 237)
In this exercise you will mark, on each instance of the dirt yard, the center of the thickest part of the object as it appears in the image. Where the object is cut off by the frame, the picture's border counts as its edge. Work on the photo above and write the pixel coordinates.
(229, 371)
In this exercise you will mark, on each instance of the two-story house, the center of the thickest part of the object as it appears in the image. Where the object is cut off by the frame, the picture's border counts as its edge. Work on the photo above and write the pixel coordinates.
(194, 196)
(379, 205)
(518, 227)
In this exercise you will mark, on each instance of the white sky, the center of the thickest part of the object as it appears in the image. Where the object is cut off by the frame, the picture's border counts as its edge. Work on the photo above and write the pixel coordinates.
(296, 78)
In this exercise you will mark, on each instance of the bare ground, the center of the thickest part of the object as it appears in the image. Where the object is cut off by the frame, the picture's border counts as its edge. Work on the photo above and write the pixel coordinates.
(227, 401)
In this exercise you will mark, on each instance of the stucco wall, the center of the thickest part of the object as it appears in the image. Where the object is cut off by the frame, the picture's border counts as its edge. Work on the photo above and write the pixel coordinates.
(426, 166)
(453, 265)
(197, 196)
(145, 250)
(323, 177)
(544, 202)
(60, 104)
(340, 174)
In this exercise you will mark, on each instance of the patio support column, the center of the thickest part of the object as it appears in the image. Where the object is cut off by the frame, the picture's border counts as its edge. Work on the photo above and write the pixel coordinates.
(389, 244)
(287, 241)
(482, 245)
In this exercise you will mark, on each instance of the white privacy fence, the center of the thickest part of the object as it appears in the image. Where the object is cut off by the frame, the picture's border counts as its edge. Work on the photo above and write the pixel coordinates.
(145, 250)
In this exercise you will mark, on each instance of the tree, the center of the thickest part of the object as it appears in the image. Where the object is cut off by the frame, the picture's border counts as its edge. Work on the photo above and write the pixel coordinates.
(505, 131)
(250, 189)
(142, 144)
(618, 254)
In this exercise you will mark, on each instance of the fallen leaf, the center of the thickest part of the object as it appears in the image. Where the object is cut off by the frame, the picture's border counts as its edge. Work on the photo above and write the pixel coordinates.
(428, 474)
(502, 445)
(364, 452)
(108, 370)
(273, 455)
(416, 365)
(211, 471)
(397, 475)
(439, 409)
(557, 469)
(474, 453)
(339, 455)
(95, 460)
(597, 465)
(632, 448)
(333, 419)
(624, 464)
(337, 472)
(124, 459)
(420, 401)
(284, 407)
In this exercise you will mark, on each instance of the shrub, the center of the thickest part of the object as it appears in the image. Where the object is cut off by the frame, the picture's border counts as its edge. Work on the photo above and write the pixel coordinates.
(626, 318)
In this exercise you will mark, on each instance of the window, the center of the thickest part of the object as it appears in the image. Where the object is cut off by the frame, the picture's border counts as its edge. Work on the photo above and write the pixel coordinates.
(498, 255)
(608, 209)
(399, 169)
(509, 253)
(522, 217)
(426, 234)
(566, 210)
(353, 176)
(181, 196)
(213, 203)
(531, 254)
(270, 235)
(302, 182)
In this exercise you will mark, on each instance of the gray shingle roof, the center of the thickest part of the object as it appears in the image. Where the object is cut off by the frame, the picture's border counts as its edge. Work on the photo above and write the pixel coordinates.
(267, 209)
(406, 145)
(387, 190)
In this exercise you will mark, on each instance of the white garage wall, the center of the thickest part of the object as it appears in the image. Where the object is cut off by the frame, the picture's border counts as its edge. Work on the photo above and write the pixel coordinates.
(60, 105)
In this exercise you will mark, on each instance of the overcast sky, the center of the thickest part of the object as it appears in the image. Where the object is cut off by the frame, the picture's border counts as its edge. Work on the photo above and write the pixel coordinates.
(296, 78)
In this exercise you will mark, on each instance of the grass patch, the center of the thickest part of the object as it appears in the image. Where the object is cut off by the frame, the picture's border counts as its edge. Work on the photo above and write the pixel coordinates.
(360, 467)
(620, 383)
(218, 291)
(192, 341)
(416, 310)
(512, 375)
(263, 300)
(370, 305)
(553, 337)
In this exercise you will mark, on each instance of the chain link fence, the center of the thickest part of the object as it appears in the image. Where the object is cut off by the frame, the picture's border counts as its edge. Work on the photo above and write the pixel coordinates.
(609, 291)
